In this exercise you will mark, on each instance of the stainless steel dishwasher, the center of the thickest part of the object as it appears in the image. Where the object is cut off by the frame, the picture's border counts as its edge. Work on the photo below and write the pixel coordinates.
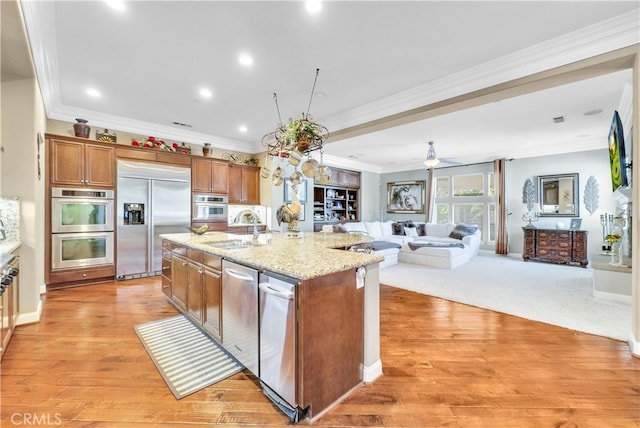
(277, 297)
(240, 313)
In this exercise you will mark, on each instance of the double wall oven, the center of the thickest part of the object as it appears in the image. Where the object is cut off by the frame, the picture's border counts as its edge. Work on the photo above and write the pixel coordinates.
(81, 227)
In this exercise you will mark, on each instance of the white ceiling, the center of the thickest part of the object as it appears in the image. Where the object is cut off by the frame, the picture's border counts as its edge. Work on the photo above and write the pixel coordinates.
(376, 59)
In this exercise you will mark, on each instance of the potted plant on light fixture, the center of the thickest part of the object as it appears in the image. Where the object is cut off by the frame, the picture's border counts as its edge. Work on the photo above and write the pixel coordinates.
(303, 132)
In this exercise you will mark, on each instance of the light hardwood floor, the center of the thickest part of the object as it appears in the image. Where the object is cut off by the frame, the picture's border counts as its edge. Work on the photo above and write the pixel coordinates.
(445, 364)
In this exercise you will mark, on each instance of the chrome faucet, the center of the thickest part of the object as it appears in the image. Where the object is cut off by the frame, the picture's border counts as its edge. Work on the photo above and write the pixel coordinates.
(256, 233)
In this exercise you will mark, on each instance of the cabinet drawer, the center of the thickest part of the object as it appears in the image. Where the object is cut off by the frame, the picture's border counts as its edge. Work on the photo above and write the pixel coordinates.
(212, 261)
(195, 255)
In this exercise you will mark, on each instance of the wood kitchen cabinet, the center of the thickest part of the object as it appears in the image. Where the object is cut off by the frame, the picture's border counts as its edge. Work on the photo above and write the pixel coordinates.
(556, 246)
(75, 163)
(179, 280)
(194, 290)
(244, 184)
(344, 178)
(166, 270)
(212, 295)
(209, 176)
(195, 285)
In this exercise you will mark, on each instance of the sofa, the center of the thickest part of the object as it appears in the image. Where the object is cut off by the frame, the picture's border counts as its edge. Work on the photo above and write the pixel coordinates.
(438, 245)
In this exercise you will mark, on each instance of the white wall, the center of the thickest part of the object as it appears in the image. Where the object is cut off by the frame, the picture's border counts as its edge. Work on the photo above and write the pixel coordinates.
(591, 163)
(23, 117)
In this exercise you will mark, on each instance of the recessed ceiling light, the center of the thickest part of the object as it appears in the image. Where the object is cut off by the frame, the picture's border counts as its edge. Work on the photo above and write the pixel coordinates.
(205, 93)
(313, 6)
(93, 93)
(593, 112)
(242, 128)
(245, 59)
(115, 4)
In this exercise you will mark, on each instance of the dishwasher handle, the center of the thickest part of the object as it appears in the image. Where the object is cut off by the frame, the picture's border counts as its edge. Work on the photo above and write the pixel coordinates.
(239, 275)
(264, 286)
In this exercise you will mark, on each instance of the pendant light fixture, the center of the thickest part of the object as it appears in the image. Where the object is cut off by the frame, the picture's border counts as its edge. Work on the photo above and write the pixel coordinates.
(432, 159)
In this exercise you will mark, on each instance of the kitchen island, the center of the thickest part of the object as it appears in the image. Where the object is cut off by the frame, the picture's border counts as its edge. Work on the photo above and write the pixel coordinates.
(336, 333)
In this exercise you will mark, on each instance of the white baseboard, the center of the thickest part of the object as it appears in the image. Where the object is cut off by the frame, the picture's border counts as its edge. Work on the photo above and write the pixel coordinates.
(30, 317)
(614, 297)
(634, 345)
(372, 372)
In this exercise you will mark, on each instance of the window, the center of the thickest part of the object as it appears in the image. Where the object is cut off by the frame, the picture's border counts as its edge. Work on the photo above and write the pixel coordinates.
(465, 186)
(467, 196)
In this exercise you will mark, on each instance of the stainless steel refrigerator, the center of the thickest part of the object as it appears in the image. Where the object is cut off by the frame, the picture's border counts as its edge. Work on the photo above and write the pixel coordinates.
(152, 199)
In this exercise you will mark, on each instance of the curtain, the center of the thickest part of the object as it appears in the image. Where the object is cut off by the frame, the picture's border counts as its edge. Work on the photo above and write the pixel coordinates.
(431, 195)
(502, 243)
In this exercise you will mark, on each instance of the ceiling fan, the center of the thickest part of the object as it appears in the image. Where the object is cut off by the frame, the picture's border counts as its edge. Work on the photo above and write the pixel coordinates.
(432, 159)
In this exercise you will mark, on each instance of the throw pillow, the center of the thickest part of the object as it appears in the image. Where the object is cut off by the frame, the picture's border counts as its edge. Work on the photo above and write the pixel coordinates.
(461, 230)
(411, 231)
(398, 228)
(339, 228)
(422, 229)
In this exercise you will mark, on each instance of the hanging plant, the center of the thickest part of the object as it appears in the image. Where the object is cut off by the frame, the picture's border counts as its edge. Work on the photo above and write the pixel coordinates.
(591, 196)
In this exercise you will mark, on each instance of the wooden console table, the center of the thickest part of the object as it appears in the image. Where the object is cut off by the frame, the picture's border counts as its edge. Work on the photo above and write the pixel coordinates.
(555, 246)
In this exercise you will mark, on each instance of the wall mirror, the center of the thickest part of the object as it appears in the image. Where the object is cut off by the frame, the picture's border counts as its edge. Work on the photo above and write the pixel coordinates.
(558, 195)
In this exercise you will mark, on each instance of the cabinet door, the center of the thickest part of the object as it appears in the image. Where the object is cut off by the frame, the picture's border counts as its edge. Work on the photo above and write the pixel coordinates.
(166, 273)
(251, 185)
(235, 184)
(194, 291)
(179, 280)
(212, 297)
(219, 177)
(100, 166)
(67, 163)
(201, 175)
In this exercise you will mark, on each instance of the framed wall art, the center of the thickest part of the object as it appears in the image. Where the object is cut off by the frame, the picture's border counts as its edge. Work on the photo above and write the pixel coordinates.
(288, 191)
(406, 197)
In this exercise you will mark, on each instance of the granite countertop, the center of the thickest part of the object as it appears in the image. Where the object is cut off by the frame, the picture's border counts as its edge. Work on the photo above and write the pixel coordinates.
(9, 246)
(311, 256)
(6, 248)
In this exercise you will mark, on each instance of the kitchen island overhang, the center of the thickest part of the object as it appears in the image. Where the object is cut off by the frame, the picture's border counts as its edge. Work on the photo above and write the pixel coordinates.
(329, 291)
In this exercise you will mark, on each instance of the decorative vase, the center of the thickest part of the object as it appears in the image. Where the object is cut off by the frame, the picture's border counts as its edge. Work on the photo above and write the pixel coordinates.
(81, 129)
(206, 149)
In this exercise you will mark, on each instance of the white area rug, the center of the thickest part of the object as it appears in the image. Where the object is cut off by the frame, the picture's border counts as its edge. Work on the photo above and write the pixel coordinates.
(553, 294)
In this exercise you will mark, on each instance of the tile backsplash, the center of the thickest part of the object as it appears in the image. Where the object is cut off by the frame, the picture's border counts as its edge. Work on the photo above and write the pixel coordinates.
(10, 218)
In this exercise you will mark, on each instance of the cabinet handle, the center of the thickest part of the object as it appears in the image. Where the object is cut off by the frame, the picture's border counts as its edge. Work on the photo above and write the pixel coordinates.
(184, 263)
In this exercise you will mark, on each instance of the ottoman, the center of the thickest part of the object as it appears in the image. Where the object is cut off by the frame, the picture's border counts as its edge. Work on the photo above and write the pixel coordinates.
(440, 257)
(389, 250)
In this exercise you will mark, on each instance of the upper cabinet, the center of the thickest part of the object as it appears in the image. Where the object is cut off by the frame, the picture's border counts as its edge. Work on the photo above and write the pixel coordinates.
(344, 178)
(244, 184)
(209, 176)
(79, 164)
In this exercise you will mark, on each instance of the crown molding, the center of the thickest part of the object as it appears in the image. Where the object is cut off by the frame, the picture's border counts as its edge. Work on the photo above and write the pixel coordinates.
(146, 128)
(618, 32)
(38, 21)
